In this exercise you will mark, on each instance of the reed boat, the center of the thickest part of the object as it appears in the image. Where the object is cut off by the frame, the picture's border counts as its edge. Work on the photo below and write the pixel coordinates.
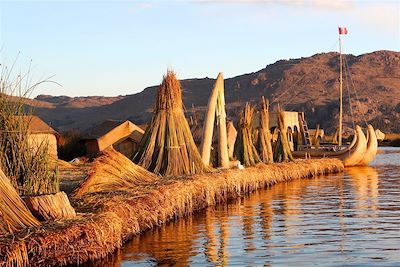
(360, 152)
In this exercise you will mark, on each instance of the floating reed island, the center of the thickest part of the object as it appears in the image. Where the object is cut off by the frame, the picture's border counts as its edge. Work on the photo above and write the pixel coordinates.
(167, 178)
(108, 218)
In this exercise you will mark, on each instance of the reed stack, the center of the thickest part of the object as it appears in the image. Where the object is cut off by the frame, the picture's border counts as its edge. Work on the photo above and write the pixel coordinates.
(231, 136)
(282, 151)
(209, 119)
(264, 134)
(167, 147)
(221, 125)
(245, 151)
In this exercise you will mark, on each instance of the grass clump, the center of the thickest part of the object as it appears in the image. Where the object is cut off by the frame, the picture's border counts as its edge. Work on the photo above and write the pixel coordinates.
(29, 166)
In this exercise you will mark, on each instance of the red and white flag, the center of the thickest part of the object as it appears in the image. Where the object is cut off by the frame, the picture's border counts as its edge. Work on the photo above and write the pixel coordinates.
(342, 30)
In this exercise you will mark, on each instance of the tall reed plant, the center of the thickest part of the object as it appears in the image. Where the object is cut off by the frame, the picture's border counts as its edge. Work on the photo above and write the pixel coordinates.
(28, 165)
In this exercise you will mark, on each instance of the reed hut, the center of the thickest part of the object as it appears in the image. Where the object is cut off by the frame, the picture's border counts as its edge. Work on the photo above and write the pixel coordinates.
(39, 133)
(123, 136)
(167, 147)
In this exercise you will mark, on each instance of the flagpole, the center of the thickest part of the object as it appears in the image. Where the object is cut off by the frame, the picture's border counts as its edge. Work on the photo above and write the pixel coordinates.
(341, 92)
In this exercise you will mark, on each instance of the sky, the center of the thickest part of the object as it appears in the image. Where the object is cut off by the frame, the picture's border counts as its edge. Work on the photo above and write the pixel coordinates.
(120, 47)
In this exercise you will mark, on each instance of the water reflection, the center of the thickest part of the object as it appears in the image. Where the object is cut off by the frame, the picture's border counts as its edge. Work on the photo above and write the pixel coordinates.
(365, 183)
(348, 218)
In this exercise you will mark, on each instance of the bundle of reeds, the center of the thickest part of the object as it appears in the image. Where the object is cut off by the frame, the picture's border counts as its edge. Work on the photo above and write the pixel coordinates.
(208, 126)
(264, 134)
(282, 151)
(14, 215)
(221, 124)
(231, 136)
(245, 151)
(167, 147)
(112, 171)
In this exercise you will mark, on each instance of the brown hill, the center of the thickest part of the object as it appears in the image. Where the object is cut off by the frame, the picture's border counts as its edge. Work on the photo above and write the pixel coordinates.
(307, 84)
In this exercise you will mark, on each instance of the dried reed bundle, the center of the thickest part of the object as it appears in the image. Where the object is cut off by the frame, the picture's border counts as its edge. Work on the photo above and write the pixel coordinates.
(264, 134)
(231, 136)
(167, 147)
(282, 151)
(245, 150)
(14, 215)
(221, 123)
(113, 171)
(208, 127)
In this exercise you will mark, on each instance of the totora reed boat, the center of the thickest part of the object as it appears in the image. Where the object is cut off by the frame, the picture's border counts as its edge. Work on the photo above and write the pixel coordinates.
(361, 151)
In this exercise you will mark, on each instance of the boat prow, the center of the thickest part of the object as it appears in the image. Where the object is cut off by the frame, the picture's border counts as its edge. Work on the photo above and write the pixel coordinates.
(372, 147)
(356, 153)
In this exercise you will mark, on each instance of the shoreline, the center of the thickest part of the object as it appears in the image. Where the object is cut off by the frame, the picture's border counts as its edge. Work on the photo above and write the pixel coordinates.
(106, 221)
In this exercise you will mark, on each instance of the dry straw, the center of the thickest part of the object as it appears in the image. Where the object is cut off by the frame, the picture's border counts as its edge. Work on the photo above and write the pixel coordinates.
(264, 134)
(167, 147)
(112, 171)
(120, 214)
(14, 215)
(31, 171)
(282, 151)
(245, 151)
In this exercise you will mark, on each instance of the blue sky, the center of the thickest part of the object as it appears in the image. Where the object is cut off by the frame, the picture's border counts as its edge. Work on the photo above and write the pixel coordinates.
(117, 48)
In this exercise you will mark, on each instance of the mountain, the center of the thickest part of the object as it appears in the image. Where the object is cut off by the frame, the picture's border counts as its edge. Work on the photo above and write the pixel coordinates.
(307, 84)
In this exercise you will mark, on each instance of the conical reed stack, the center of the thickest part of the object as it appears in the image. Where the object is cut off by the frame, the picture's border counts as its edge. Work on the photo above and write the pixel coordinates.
(282, 150)
(167, 147)
(245, 150)
(264, 134)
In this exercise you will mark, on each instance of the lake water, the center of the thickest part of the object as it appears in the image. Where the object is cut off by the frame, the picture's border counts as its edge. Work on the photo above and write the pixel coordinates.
(350, 219)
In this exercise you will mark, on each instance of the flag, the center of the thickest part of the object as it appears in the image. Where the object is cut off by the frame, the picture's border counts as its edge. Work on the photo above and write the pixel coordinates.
(342, 30)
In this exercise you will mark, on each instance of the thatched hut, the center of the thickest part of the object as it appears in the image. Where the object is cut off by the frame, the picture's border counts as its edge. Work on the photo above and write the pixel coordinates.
(123, 136)
(39, 133)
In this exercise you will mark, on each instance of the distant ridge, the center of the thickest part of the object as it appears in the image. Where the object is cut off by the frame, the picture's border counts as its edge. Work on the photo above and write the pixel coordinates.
(307, 84)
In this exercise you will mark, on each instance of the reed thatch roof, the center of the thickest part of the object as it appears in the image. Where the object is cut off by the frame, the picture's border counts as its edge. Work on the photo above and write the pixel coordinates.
(36, 125)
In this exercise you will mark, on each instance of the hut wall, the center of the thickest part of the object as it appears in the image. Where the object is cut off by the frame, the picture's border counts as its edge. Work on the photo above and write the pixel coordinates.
(92, 147)
(35, 140)
(127, 147)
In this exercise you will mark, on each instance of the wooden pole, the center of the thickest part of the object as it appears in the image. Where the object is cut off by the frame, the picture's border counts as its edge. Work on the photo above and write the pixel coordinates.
(341, 92)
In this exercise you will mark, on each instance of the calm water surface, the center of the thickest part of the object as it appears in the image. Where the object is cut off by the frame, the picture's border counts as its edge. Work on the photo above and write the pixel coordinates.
(350, 219)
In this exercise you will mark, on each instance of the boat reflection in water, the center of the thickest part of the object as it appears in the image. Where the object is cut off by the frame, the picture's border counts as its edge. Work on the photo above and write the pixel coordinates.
(350, 217)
